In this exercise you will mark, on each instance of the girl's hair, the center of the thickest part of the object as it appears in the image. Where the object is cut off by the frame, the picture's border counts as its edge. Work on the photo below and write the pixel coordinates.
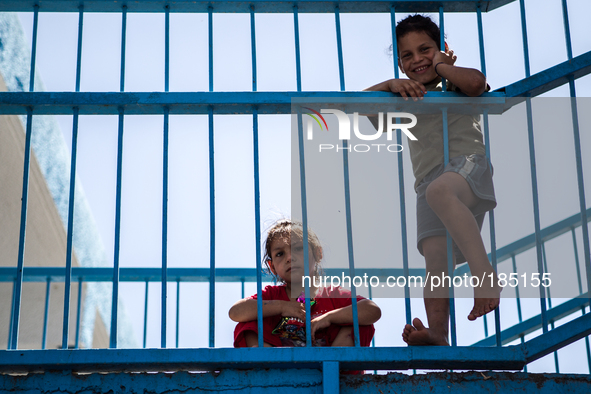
(291, 231)
(419, 23)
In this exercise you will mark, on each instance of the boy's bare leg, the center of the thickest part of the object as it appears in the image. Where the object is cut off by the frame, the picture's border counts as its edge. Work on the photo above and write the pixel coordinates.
(344, 337)
(451, 198)
(252, 339)
(436, 301)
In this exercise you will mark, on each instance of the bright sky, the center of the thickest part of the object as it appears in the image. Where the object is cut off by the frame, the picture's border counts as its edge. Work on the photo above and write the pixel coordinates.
(365, 42)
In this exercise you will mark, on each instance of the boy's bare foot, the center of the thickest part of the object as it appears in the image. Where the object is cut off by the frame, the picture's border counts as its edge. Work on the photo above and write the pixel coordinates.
(419, 335)
(485, 300)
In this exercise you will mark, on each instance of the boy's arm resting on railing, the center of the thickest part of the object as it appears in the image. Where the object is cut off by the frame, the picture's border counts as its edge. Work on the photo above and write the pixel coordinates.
(246, 310)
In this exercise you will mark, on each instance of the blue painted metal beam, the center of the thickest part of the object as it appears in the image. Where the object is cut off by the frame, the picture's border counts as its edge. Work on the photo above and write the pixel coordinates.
(550, 78)
(297, 380)
(557, 338)
(198, 103)
(532, 324)
(100, 274)
(529, 241)
(208, 359)
(241, 6)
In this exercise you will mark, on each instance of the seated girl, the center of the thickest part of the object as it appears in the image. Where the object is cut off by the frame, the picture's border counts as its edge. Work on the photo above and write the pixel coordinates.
(284, 313)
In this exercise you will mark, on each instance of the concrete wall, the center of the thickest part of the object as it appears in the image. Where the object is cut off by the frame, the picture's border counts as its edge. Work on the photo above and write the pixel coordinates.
(45, 246)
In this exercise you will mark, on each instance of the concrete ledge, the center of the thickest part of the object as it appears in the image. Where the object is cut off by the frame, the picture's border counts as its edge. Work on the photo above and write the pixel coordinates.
(293, 381)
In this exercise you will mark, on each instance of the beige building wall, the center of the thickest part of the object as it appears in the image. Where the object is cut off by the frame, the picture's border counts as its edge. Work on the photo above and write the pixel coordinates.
(45, 246)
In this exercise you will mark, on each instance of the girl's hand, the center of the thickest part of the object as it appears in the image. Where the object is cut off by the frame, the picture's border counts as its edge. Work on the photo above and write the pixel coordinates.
(319, 323)
(294, 309)
(407, 87)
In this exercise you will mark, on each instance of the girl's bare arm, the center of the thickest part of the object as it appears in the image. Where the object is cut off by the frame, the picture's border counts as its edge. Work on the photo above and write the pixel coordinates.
(367, 313)
(246, 309)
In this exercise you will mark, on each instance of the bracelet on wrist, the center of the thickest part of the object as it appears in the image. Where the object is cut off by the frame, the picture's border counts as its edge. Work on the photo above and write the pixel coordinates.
(436, 67)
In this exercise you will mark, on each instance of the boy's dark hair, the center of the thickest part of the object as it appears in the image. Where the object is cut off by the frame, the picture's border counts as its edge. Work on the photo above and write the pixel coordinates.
(419, 23)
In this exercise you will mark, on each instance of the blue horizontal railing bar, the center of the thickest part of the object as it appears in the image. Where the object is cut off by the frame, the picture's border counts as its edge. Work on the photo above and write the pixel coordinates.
(101, 274)
(529, 241)
(240, 6)
(550, 78)
(105, 274)
(208, 359)
(224, 103)
(558, 338)
(534, 323)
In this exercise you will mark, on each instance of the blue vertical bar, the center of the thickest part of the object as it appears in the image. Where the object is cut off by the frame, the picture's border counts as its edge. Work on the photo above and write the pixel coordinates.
(146, 313)
(12, 314)
(534, 178)
(330, 377)
(480, 39)
(308, 307)
(164, 230)
(164, 286)
(578, 156)
(257, 225)
(178, 303)
(401, 192)
(450, 253)
(493, 239)
(67, 288)
(211, 194)
(337, 17)
(493, 242)
(115, 299)
(347, 190)
(577, 264)
(524, 37)
(257, 203)
(18, 283)
(442, 44)
(518, 301)
(210, 30)
(166, 46)
(556, 365)
(123, 41)
(296, 28)
(34, 48)
(581, 292)
(66, 321)
(79, 50)
(302, 158)
(212, 233)
(78, 309)
(46, 312)
(242, 281)
(253, 48)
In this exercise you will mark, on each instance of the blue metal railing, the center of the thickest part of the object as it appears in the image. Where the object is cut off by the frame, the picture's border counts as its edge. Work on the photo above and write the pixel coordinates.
(255, 103)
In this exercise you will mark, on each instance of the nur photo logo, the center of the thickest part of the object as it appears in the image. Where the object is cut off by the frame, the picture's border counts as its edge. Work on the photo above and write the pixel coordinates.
(394, 121)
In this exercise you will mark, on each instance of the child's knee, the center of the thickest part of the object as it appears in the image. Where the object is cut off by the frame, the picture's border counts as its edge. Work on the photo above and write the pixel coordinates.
(344, 337)
(436, 194)
(251, 339)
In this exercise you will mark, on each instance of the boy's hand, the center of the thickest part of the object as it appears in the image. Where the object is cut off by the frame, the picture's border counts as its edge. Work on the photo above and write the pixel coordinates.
(407, 87)
(446, 57)
(319, 323)
(294, 309)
